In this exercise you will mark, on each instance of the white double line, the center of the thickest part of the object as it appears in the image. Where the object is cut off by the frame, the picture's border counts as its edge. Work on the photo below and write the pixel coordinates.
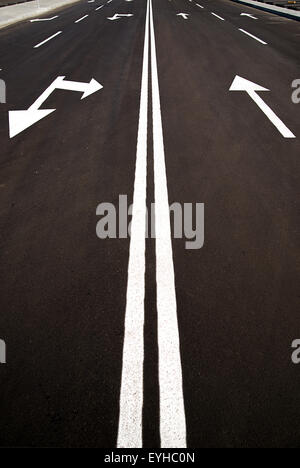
(172, 414)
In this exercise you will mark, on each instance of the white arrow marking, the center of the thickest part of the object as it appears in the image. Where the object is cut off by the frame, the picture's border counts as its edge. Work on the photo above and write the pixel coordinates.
(21, 119)
(48, 39)
(250, 16)
(241, 84)
(118, 16)
(184, 15)
(43, 19)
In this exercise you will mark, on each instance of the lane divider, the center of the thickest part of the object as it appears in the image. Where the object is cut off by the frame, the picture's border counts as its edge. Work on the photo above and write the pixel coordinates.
(47, 40)
(81, 19)
(217, 16)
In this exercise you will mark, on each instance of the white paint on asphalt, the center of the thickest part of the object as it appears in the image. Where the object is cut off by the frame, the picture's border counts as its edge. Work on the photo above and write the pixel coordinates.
(118, 16)
(253, 37)
(200, 6)
(101, 6)
(241, 84)
(81, 19)
(43, 19)
(172, 413)
(184, 15)
(20, 120)
(131, 395)
(47, 40)
(217, 16)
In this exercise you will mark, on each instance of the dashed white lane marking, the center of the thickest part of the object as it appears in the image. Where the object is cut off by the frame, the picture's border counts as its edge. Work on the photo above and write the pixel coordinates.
(172, 413)
(48, 39)
(217, 16)
(81, 19)
(200, 6)
(131, 396)
(101, 6)
(253, 37)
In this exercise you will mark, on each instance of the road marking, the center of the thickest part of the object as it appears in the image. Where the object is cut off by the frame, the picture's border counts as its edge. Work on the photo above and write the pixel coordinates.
(118, 16)
(43, 19)
(253, 37)
(46, 40)
(184, 15)
(241, 84)
(250, 16)
(217, 16)
(99, 7)
(172, 413)
(20, 120)
(131, 394)
(81, 19)
(200, 6)
(109, 1)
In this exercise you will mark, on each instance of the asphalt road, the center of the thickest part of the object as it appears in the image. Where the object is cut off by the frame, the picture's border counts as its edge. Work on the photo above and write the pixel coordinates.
(65, 293)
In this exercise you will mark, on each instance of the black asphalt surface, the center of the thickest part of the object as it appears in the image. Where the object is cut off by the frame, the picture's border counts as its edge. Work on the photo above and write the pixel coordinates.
(63, 290)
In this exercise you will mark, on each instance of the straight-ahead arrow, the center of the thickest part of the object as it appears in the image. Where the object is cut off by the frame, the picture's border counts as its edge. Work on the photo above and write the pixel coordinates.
(118, 16)
(241, 84)
(184, 15)
(250, 16)
(21, 119)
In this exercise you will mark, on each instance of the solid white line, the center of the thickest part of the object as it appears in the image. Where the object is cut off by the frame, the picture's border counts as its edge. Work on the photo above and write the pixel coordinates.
(253, 37)
(99, 7)
(217, 16)
(200, 6)
(131, 395)
(172, 414)
(80, 19)
(48, 39)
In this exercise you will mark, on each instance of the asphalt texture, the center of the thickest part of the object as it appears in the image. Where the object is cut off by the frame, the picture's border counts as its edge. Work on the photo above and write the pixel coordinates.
(63, 290)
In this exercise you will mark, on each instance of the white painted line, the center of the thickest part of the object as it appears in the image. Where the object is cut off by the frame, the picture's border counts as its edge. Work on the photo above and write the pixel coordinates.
(81, 19)
(46, 40)
(131, 395)
(200, 6)
(99, 7)
(253, 37)
(217, 16)
(172, 413)
(43, 19)
(109, 1)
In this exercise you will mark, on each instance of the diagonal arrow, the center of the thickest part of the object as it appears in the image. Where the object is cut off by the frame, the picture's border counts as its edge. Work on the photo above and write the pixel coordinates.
(250, 16)
(241, 84)
(19, 120)
(183, 15)
(118, 16)
(43, 19)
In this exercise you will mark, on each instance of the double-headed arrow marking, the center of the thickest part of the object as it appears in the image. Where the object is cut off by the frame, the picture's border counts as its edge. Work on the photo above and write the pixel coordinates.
(21, 119)
(118, 16)
(241, 84)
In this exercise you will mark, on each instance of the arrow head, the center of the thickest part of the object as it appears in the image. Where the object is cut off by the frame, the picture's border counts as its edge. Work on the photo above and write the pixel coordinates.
(241, 84)
(21, 119)
(91, 88)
